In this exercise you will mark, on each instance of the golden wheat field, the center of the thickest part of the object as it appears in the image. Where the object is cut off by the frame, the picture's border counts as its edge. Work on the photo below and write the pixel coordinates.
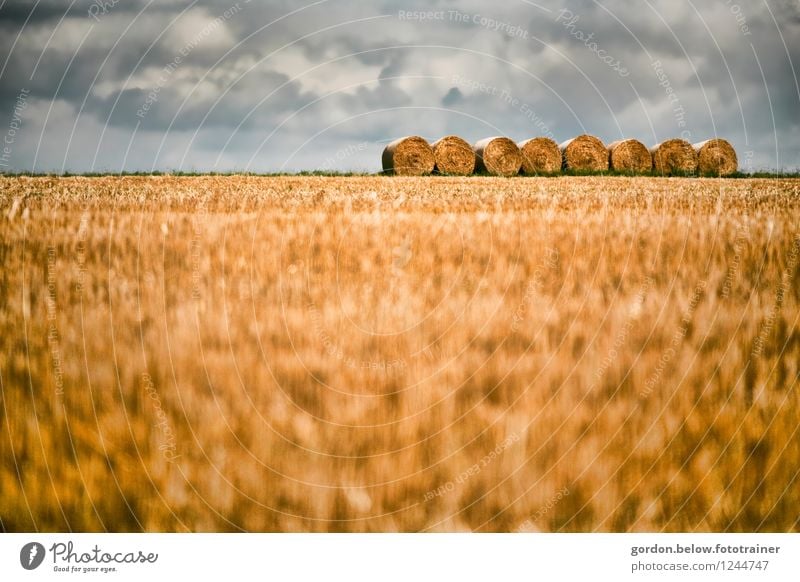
(399, 354)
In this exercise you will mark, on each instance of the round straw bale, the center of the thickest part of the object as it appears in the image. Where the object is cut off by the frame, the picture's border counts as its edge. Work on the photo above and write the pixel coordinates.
(540, 155)
(716, 157)
(454, 156)
(584, 153)
(629, 156)
(674, 156)
(408, 156)
(498, 156)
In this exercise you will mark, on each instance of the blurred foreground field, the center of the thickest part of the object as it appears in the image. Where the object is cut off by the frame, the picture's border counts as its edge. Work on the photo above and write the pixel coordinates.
(406, 354)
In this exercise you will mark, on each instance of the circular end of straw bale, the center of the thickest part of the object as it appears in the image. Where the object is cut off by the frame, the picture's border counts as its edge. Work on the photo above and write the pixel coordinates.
(408, 156)
(498, 156)
(629, 156)
(716, 157)
(454, 156)
(540, 155)
(584, 153)
(674, 156)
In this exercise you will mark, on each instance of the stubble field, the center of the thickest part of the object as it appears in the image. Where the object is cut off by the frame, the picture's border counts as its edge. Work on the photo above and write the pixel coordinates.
(399, 354)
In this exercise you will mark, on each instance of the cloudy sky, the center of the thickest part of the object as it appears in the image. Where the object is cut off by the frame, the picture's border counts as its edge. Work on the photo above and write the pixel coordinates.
(290, 85)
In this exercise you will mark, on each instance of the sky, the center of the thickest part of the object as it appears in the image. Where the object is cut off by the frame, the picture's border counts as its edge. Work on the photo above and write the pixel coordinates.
(136, 85)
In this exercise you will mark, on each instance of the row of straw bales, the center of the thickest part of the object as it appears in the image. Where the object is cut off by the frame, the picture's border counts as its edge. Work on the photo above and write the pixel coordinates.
(500, 156)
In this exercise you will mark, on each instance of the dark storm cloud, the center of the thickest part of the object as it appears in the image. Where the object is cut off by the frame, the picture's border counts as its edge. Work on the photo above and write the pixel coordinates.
(326, 75)
(15, 12)
(453, 96)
